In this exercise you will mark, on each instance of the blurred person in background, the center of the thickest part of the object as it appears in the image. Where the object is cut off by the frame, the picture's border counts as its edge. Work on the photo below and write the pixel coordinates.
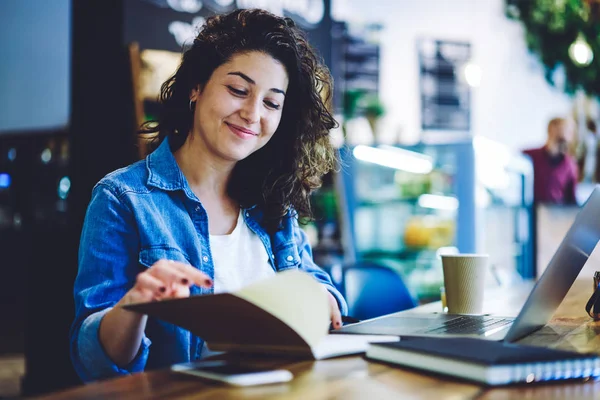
(555, 171)
(242, 141)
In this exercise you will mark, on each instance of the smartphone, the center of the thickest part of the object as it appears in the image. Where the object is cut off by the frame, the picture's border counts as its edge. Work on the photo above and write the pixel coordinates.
(233, 373)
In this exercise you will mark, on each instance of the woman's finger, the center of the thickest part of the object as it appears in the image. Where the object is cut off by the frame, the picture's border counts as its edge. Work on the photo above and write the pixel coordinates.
(138, 295)
(157, 287)
(165, 271)
(178, 291)
(336, 315)
(194, 275)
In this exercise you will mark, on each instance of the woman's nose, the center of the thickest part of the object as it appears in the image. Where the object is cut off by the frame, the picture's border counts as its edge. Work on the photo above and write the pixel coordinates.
(250, 112)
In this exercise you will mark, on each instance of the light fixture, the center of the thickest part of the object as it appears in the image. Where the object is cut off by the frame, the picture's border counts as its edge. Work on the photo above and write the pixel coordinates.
(63, 187)
(580, 52)
(4, 181)
(438, 202)
(12, 154)
(472, 73)
(46, 156)
(189, 6)
(396, 158)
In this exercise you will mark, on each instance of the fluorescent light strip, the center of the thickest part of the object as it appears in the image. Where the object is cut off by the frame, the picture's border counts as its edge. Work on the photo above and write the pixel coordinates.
(397, 158)
(438, 202)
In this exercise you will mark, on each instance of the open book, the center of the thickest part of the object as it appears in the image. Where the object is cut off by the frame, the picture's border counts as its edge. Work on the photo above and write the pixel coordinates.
(287, 314)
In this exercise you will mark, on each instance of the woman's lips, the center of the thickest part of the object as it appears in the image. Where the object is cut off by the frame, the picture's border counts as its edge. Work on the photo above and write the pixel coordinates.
(241, 132)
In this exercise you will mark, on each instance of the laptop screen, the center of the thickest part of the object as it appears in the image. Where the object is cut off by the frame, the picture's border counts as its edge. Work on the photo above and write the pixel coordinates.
(564, 267)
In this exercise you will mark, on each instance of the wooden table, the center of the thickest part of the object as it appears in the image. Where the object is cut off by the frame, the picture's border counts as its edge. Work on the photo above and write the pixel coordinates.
(356, 378)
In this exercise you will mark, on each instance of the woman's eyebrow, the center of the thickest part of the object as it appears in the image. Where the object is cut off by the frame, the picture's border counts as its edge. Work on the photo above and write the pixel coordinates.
(251, 81)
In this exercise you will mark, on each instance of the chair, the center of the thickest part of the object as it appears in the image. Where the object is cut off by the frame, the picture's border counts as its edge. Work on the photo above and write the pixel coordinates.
(372, 290)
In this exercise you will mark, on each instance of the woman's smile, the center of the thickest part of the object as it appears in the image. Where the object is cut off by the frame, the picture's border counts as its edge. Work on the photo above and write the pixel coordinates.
(241, 132)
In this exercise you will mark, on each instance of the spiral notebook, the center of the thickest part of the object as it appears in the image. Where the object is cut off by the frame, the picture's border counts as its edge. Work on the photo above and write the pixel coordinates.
(487, 362)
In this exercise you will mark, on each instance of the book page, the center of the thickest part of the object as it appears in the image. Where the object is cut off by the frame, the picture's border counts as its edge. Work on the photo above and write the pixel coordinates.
(340, 344)
(297, 299)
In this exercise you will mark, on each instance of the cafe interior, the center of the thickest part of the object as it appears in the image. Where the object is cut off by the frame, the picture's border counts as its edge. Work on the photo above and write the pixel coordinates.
(436, 100)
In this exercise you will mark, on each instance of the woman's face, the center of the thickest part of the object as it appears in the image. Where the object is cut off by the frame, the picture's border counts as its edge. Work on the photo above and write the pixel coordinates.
(239, 108)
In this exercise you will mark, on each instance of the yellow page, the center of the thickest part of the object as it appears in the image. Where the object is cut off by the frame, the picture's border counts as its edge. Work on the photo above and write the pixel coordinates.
(297, 299)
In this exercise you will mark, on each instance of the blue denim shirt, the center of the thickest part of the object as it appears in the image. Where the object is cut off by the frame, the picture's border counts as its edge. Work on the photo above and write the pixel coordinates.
(137, 216)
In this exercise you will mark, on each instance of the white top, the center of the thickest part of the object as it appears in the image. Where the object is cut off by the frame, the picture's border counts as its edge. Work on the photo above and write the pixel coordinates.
(239, 258)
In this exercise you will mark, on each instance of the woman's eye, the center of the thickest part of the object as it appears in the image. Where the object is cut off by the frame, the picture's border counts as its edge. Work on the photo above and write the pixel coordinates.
(272, 105)
(235, 91)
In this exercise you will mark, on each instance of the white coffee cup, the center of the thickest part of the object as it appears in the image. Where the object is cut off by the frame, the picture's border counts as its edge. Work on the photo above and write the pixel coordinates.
(464, 281)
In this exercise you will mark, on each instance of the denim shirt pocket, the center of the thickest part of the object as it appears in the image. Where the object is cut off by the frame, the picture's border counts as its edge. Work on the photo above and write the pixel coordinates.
(287, 257)
(150, 255)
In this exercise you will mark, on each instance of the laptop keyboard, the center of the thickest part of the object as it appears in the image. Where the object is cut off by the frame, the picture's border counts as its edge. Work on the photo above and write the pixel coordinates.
(470, 325)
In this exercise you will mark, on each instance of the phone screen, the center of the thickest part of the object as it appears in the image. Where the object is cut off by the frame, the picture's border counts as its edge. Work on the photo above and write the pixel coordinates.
(225, 368)
(234, 373)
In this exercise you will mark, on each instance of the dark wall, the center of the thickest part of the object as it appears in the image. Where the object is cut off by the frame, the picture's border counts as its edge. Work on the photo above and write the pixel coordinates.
(101, 136)
(36, 268)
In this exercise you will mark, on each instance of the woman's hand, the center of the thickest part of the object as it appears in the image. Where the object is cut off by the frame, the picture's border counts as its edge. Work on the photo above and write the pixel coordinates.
(165, 279)
(334, 311)
(121, 330)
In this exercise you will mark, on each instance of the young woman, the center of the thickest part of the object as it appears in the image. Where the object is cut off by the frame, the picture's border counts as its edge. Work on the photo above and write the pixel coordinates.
(241, 143)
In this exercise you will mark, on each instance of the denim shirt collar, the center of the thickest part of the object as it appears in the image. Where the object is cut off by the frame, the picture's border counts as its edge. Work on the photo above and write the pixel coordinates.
(163, 171)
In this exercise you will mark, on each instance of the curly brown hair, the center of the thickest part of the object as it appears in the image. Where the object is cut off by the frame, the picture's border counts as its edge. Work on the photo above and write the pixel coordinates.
(279, 177)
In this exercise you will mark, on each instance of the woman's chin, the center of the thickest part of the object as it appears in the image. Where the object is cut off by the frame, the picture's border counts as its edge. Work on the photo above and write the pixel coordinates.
(236, 155)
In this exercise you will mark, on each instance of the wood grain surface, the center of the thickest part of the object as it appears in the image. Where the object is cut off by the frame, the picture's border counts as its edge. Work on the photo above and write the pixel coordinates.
(356, 378)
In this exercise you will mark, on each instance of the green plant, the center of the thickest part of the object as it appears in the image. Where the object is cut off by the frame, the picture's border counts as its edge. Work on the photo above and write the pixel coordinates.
(374, 107)
(551, 26)
(352, 99)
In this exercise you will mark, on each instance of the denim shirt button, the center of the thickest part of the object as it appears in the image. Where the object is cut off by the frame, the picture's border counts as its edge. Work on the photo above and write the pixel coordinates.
(197, 208)
(289, 258)
(247, 214)
(205, 258)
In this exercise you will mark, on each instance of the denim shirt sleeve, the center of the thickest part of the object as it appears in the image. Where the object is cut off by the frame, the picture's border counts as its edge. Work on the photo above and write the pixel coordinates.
(307, 264)
(108, 265)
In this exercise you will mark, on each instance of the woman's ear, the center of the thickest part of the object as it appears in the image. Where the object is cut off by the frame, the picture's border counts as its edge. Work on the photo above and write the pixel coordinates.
(194, 93)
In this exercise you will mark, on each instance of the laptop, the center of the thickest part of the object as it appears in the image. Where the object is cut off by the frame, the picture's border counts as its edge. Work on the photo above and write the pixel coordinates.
(545, 297)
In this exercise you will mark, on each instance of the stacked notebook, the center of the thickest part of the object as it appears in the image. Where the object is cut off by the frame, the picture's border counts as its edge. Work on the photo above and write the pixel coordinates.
(488, 362)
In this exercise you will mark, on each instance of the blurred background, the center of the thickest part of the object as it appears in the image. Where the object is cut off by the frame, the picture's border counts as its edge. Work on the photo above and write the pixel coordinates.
(436, 101)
